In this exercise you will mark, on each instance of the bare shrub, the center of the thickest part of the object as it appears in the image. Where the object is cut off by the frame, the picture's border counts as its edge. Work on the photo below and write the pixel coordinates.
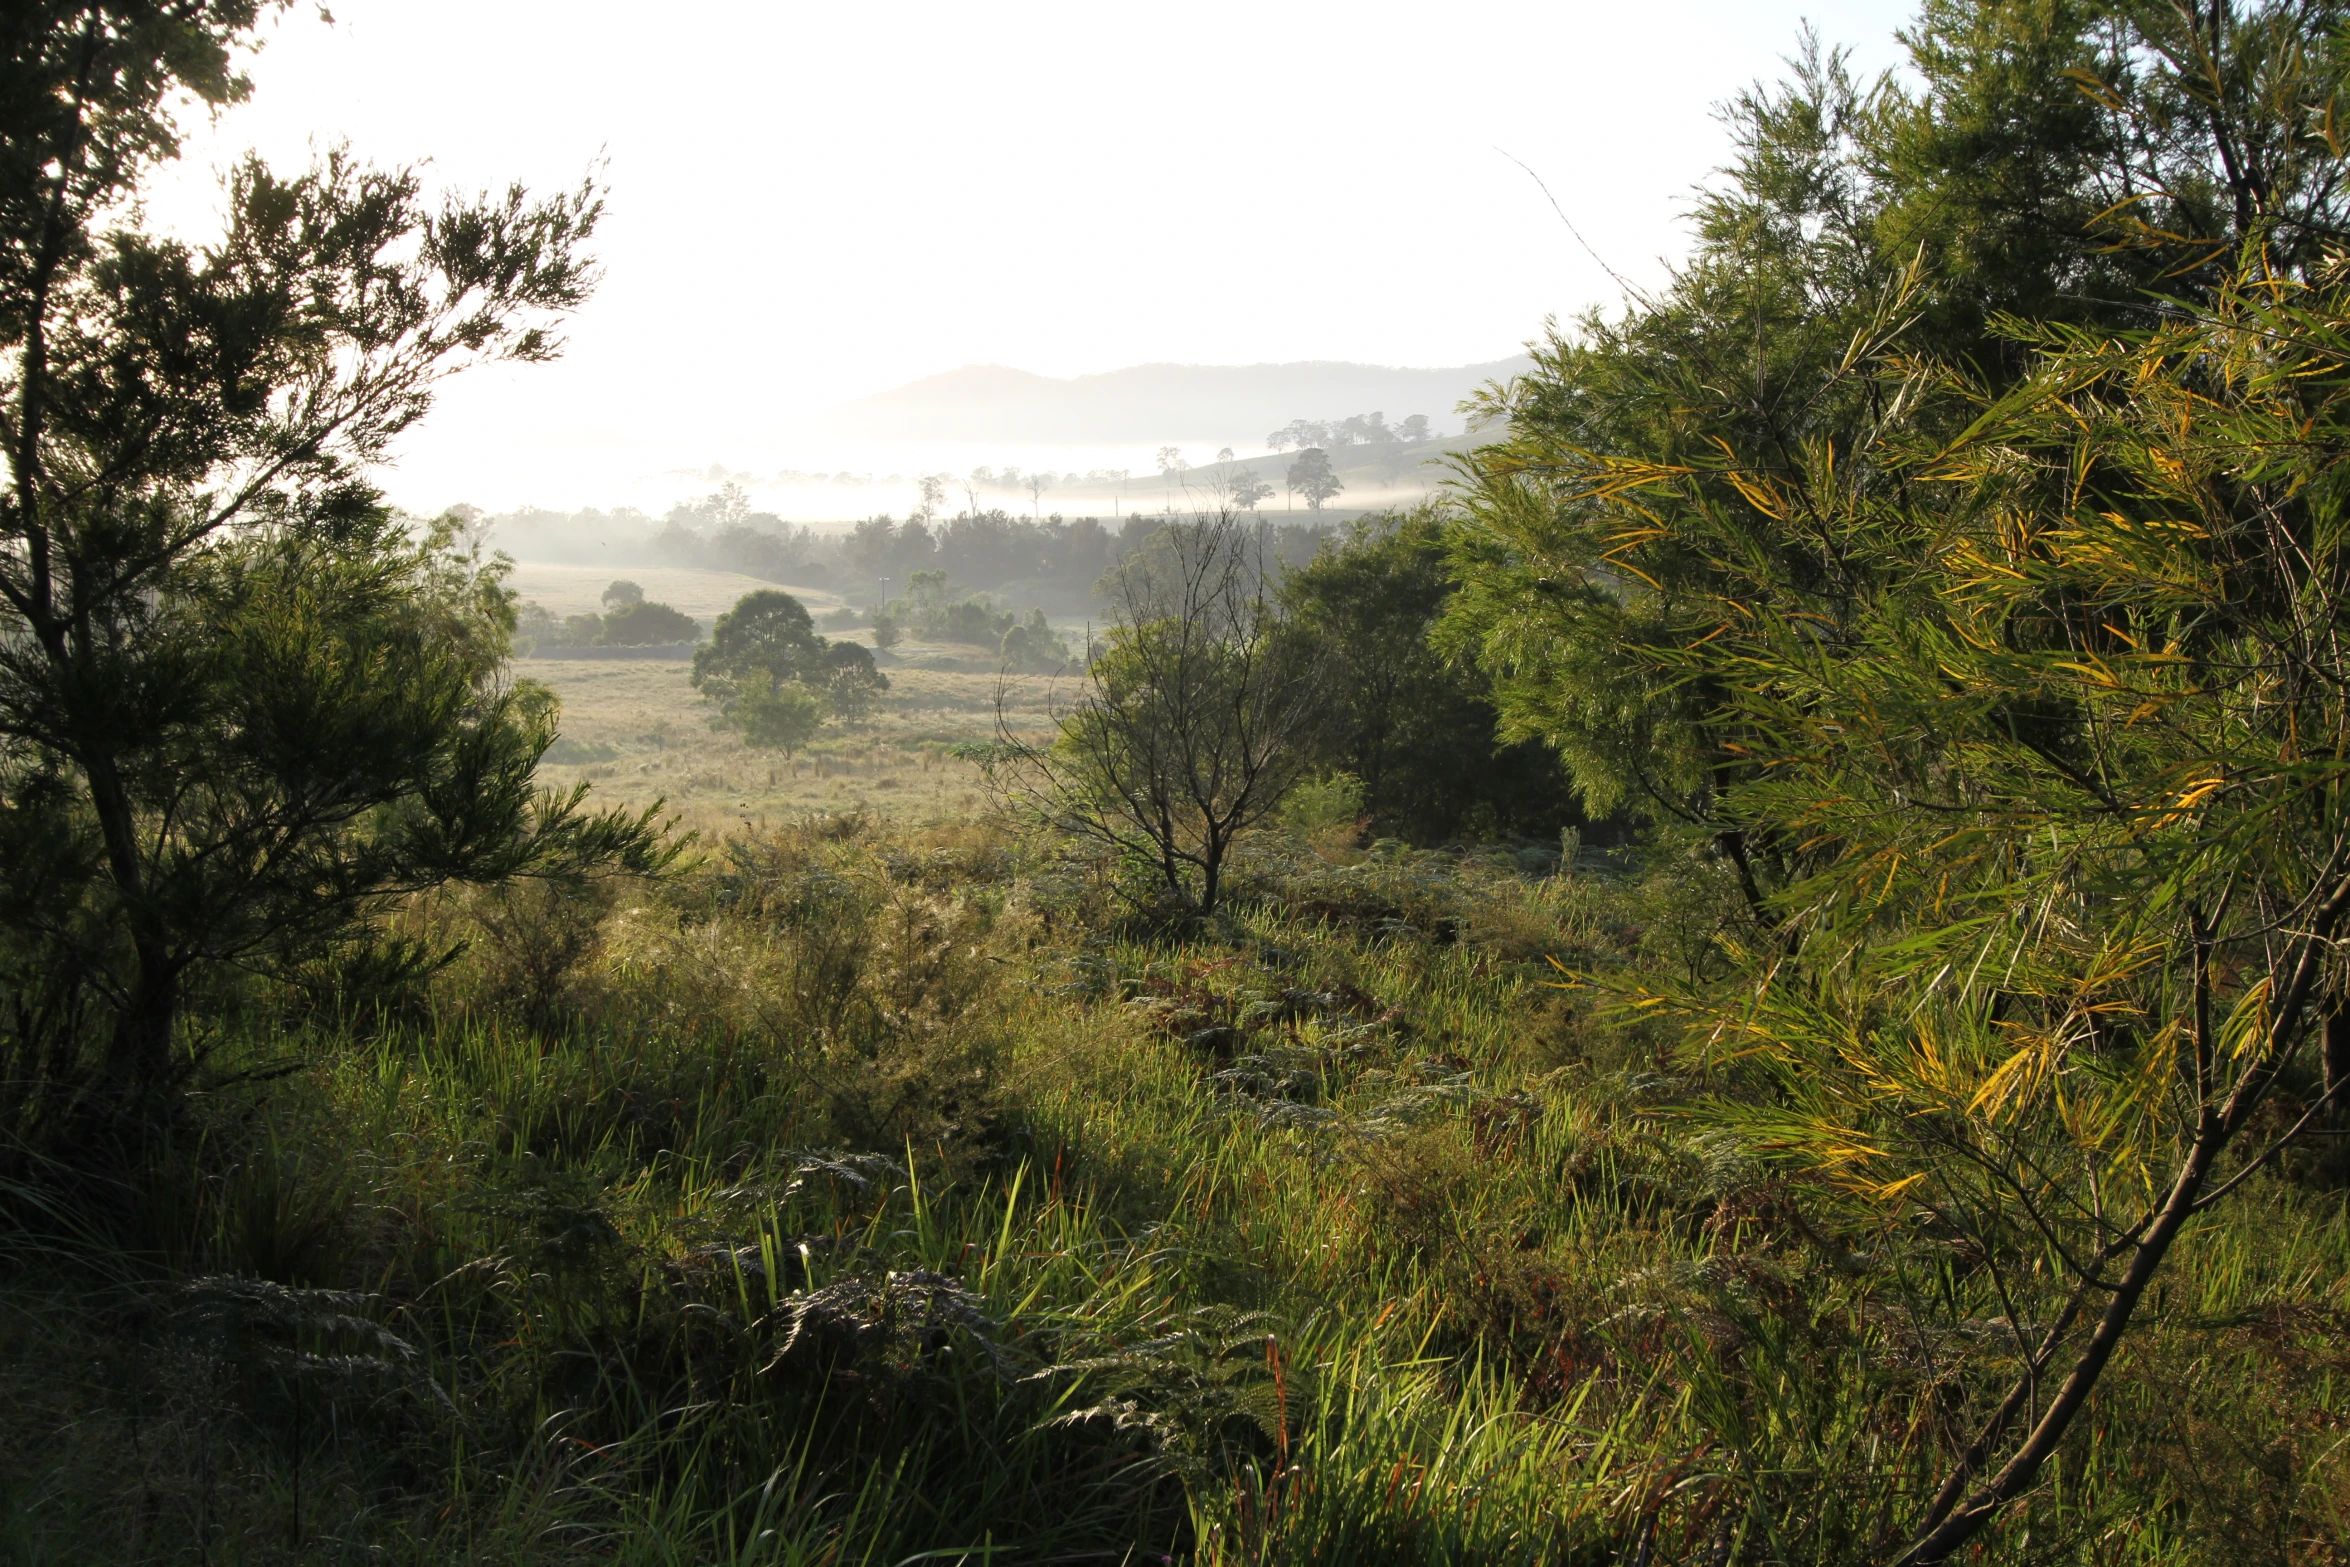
(1195, 720)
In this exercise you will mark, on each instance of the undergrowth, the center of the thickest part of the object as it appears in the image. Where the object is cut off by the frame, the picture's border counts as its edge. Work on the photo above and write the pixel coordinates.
(878, 1194)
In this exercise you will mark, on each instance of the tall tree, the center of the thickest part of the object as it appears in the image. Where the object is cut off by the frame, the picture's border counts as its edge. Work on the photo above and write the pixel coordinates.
(1413, 722)
(239, 702)
(1312, 476)
(1996, 693)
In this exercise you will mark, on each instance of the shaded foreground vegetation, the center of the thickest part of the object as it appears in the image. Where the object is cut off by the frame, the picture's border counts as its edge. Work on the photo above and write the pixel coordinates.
(874, 1191)
(1914, 1138)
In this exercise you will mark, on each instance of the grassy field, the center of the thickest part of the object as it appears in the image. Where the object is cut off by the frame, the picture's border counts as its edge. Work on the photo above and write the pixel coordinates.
(874, 1193)
(880, 1188)
(640, 732)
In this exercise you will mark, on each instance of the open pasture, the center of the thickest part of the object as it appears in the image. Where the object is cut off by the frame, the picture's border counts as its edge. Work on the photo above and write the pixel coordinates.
(638, 731)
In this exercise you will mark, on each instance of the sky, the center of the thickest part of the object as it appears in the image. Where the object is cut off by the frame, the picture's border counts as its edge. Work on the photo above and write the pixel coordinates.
(809, 204)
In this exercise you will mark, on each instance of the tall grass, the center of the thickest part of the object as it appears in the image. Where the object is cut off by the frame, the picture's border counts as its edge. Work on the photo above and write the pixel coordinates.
(874, 1195)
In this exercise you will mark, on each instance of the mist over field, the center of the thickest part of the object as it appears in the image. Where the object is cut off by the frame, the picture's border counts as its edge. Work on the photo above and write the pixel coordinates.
(1081, 432)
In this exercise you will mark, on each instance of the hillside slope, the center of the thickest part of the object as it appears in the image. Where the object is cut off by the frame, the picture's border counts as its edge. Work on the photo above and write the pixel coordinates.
(1230, 404)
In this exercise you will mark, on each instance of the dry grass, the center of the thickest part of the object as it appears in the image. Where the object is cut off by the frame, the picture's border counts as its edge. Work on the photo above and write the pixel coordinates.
(896, 764)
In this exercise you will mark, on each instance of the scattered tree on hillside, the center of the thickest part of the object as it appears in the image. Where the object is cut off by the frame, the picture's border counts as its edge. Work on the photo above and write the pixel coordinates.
(623, 593)
(1312, 477)
(1369, 429)
(1172, 465)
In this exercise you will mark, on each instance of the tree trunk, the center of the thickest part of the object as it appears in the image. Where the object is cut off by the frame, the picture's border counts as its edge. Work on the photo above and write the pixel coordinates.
(2337, 1062)
(138, 1060)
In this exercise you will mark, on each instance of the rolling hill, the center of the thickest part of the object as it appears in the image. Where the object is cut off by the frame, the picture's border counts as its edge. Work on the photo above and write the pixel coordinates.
(1227, 404)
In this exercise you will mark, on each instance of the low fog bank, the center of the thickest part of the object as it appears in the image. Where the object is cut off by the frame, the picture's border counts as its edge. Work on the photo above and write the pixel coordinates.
(1041, 534)
(1032, 454)
(990, 555)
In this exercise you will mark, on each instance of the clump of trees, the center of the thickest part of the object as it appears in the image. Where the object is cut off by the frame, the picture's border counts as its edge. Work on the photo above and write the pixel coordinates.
(629, 620)
(720, 532)
(1370, 430)
(771, 677)
(932, 611)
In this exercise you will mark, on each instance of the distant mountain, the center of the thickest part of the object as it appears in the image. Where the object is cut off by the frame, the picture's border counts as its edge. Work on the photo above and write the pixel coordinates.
(1232, 404)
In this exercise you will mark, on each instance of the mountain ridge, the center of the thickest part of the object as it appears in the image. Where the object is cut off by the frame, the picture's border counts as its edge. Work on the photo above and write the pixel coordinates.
(1162, 401)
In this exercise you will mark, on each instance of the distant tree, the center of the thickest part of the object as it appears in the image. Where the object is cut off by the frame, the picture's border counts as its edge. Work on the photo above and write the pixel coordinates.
(885, 629)
(535, 627)
(1171, 463)
(1034, 647)
(1415, 431)
(645, 624)
(768, 631)
(775, 715)
(1247, 489)
(934, 493)
(850, 683)
(767, 642)
(1312, 477)
(1224, 454)
(729, 505)
(623, 593)
(1037, 484)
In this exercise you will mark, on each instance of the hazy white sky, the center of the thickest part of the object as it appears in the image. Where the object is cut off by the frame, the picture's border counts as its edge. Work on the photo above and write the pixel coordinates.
(812, 203)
